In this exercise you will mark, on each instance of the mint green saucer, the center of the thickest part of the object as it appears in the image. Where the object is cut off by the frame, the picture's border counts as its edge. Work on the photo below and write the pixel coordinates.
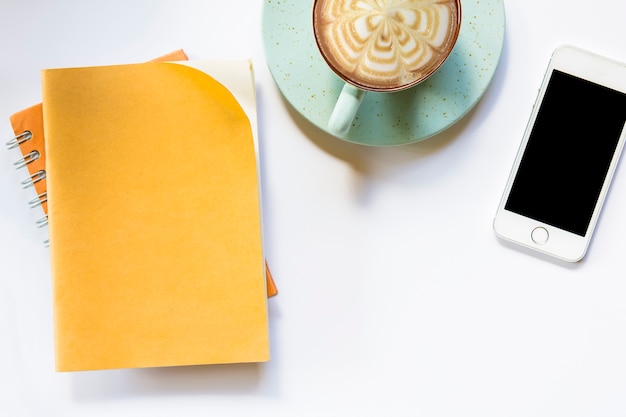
(384, 119)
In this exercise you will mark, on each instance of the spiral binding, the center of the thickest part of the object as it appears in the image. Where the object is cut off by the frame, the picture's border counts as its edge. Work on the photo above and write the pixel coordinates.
(42, 222)
(34, 178)
(39, 200)
(27, 159)
(19, 139)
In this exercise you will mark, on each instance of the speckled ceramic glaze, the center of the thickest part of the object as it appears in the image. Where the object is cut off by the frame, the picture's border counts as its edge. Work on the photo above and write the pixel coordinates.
(384, 119)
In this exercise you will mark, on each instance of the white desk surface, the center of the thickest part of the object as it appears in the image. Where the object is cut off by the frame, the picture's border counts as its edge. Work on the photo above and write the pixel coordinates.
(396, 298)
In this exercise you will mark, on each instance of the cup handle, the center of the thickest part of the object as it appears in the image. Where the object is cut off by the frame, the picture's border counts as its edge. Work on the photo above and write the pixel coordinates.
(345, 109)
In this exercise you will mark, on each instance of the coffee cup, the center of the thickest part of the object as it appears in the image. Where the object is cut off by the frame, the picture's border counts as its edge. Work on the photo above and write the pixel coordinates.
(382, 46)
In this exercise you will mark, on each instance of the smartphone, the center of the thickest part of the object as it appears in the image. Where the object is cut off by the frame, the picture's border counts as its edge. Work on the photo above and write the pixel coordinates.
(568, 154)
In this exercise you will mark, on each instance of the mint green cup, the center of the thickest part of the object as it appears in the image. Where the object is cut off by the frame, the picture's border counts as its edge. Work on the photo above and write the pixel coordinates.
(381, 47)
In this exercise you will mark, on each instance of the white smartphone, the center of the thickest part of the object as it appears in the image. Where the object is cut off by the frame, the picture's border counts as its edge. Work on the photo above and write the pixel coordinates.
(567, 157)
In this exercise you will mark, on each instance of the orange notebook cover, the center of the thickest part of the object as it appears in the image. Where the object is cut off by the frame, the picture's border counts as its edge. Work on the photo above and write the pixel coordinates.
(29, 136)
(155, 215)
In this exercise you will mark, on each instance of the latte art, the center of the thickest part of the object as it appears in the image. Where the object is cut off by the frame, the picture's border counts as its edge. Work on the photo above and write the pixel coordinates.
(385, 44)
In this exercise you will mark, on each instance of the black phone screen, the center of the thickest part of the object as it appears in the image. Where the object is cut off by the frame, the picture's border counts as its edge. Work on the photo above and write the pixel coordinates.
(568, 154)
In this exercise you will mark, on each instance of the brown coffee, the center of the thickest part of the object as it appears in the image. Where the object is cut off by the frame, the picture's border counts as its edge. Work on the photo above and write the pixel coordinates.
(386, 45)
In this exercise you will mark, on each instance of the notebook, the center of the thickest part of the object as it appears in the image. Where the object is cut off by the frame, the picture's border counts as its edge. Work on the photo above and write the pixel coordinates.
(29, 137)
(154, 215)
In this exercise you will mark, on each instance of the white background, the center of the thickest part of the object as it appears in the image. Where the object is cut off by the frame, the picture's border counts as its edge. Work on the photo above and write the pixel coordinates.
(396, 298)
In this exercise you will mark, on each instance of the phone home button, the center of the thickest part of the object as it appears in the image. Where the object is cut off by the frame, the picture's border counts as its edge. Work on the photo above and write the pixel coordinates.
(539, 235)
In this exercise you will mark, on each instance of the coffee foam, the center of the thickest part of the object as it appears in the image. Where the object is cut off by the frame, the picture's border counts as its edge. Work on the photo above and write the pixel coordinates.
(385, 44)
